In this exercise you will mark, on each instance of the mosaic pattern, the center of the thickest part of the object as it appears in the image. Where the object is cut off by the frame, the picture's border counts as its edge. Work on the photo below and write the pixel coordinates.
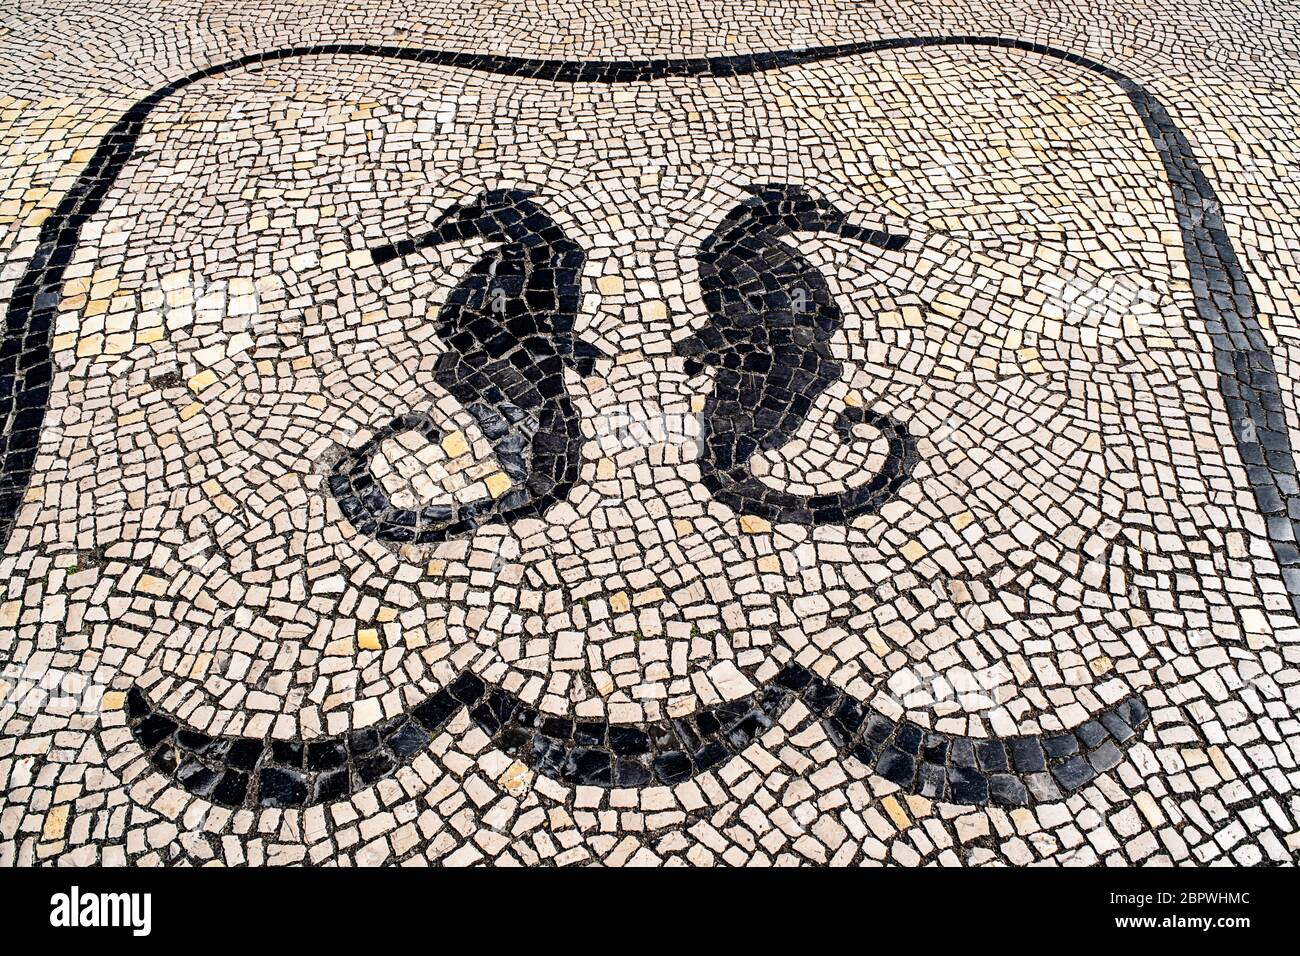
(964, 770)
(509, 328)
(771, 316)
(856, 449)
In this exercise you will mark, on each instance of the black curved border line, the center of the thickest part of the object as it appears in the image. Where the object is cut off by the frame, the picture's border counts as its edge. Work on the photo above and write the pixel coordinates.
(974, 771)
(1013, 771)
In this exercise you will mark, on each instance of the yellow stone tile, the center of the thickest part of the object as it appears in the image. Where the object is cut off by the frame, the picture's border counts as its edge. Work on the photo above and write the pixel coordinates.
(919, 806)
(90, 345)
(913, 551)
(1101, 665)
(1150, 809)
(9, 613)
(368, 639)
(610, 285)
(896, 813)
(498, 483)
(201, 664)
(654, 310)
(605, 469)
(56, 821)
(113, 700)
(103, 289)
(386, 614)
(1221, 764)
(753, 524)
(150, 584)
(963, 519)
(516, 778)
(201, 381)
(436, 567)
(455, 445)
(339, 647)
(619, 602)
(648, 596)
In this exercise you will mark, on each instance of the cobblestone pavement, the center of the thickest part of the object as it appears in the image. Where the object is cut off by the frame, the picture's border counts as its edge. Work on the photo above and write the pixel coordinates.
(649, 433)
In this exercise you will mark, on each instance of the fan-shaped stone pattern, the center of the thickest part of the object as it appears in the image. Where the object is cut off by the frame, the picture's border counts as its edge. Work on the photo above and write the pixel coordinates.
(1011, 771)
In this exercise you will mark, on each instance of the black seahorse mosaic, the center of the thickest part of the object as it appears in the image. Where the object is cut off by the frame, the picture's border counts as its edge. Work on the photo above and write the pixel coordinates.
(235, 771)
(508, 327)
(771, 317)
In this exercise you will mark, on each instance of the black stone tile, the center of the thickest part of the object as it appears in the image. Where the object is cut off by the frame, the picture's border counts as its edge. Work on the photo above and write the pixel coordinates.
(231, 789)
(1074, 773)
(243, 753)
(673, 767)
(991, 756)
(1007, 790)
(1090, 733)
(1027, 754)
(435, 710)
(589, 766)
(1057, 746)
(1116, 727)
(1105, 757)
(407, 739)
(967, 785)
(280, 787)
(154, 729)
(289, 753)
(326, 754)
(374, 766)
(897, 767)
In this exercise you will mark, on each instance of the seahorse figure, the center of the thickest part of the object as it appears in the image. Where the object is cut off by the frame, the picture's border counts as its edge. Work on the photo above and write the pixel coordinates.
(508, 326)
(771, 317)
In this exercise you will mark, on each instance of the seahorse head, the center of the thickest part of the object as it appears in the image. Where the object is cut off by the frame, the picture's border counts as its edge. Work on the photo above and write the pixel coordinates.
(508, 216)
(778, 209)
